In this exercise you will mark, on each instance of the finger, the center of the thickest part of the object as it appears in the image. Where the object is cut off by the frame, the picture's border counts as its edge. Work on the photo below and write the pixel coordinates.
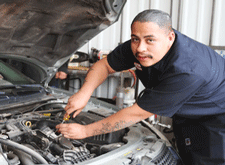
(62, 127)
(58, 127)
(69, 111)
(66, 115)
(60, 75)
(66, 136)
(68, 103)
(65, 133)
(62, 130)
(76, 113)
(57, 75)
(67, 107)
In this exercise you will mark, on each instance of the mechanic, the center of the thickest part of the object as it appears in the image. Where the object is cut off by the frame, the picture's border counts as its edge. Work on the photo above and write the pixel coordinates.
(60, 75)
(183, 79)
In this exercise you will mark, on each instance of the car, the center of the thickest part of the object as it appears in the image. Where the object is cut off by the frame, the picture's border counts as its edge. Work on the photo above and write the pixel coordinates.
(36, 38)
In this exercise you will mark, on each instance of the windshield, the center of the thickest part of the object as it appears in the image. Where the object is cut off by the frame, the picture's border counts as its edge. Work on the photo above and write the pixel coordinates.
(11, 76)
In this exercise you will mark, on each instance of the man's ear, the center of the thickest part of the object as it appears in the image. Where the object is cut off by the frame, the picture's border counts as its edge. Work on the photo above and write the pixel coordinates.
(171, 38)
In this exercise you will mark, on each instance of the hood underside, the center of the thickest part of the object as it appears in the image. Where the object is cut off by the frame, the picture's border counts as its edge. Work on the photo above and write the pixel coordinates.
(49, 30)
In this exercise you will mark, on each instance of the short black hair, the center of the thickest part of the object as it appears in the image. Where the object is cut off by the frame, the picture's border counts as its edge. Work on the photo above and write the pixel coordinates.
(162, 19)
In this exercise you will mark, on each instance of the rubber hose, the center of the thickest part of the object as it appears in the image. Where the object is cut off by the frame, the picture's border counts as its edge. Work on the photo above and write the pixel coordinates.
(24, 157)
(24, 149)
(13, 159)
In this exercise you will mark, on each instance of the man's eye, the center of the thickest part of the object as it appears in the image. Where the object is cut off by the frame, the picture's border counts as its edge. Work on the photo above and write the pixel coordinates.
(134, 40)
(150, 40)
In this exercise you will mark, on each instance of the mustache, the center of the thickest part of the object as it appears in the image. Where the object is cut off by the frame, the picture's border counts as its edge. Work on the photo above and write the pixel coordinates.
(143, 55)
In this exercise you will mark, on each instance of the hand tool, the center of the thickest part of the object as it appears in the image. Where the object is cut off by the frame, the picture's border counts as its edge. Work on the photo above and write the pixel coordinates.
(64, 119)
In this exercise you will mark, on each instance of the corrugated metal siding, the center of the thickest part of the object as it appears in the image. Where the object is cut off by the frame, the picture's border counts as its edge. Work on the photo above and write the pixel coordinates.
(202, 20)
(218, 33)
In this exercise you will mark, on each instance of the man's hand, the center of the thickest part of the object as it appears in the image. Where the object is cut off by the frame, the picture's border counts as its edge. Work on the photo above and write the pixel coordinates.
(61, 75)
(95, 76)
(76, 103)
(72, 130)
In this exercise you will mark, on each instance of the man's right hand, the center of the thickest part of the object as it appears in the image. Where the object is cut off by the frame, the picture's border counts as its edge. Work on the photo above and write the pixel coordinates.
(76, 103)
(95, 76)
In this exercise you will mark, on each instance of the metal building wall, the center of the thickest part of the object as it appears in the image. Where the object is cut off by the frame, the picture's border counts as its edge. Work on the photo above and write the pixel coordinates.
(201, 20)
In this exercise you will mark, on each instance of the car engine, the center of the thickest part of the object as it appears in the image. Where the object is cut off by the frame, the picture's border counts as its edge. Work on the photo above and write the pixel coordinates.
(35, 131)
(30, 137)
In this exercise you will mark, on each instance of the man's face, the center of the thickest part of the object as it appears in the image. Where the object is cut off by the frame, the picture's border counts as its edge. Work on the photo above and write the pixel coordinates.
(149, 42)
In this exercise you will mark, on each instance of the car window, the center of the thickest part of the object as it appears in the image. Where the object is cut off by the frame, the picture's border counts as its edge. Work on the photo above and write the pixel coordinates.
(11, 75)
(28, 69)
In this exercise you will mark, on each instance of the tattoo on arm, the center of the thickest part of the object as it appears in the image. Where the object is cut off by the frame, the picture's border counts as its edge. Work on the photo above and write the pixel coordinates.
(91, 69)
(106, 128)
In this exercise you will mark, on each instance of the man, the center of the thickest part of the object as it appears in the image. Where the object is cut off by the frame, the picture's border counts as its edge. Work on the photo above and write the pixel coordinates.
(60, 75)
(184, 80)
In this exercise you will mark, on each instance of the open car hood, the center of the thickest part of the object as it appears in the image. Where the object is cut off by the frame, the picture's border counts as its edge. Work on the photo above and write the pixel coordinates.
(50, 31)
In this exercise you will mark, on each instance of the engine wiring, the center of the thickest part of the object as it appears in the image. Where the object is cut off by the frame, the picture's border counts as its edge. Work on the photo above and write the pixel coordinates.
(48, 103)
(134, 76)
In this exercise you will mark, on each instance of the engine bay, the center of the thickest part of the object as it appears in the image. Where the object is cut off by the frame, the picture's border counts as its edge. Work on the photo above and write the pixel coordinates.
(36, 131)
(29, 137)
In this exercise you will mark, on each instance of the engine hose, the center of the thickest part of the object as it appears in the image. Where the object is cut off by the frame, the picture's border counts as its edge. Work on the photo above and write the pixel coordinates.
(56, 148)
(24, 157)
(13, 159)
(24, 149)
(134, 75)
(49, 103)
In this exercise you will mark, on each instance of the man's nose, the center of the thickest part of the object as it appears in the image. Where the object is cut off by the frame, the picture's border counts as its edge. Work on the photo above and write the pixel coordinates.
(141, 47)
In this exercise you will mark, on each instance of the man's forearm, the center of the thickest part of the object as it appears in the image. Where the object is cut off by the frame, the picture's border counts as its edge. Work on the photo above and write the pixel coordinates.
(122, 119)
(96, 76)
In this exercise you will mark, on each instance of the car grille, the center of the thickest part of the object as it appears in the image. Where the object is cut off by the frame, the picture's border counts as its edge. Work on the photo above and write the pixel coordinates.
(166, 157)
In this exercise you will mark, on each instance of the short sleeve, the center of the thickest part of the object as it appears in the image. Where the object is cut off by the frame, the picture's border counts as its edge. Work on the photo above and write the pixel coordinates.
(171, 94)
(121, 58)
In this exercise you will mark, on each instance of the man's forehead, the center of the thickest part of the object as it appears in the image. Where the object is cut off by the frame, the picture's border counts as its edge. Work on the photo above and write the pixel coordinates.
(141, 26)
(144, 22)
(146, 36)
(148, 29)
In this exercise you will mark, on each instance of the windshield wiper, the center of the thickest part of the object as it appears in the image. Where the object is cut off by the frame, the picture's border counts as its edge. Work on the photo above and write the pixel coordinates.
(22, 87)
(20, 90)
(8, 87)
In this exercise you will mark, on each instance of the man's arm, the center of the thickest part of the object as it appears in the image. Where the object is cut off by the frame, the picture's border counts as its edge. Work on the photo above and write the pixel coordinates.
(123, 118)
(95, 76)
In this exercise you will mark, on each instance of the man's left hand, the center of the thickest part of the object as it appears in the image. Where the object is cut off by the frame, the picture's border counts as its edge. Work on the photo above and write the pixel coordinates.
(61, 75)
(72, 130)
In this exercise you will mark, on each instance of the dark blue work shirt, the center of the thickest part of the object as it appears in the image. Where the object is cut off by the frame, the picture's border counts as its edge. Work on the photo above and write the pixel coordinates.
(189, 80)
